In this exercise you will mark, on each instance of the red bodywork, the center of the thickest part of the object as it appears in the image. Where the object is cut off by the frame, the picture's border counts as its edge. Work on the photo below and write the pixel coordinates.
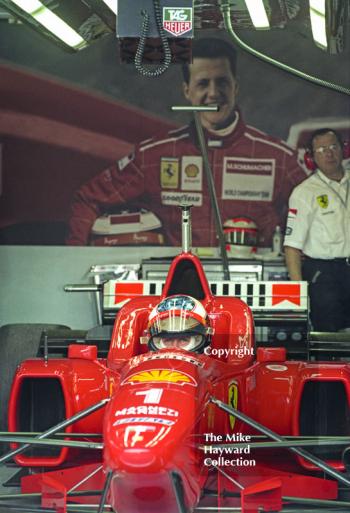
(160, 416)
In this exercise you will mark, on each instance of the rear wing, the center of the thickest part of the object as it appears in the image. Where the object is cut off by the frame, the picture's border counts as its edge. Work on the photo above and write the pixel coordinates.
(276, 300)
(280, 308)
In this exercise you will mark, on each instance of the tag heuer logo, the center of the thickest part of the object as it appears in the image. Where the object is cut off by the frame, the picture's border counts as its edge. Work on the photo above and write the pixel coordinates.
(177, 20)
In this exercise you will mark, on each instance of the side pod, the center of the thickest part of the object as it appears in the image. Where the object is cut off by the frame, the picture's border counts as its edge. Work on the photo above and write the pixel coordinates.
(45, 393)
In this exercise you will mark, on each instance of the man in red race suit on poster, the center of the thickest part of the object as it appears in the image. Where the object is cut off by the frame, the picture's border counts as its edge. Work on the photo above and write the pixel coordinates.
(254, 173)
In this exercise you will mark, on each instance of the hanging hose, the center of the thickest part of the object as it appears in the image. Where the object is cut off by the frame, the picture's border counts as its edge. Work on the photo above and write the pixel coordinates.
(141, 47)
(225, 8)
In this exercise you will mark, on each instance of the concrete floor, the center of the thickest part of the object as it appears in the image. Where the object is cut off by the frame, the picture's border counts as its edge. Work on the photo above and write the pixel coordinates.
(5, 474)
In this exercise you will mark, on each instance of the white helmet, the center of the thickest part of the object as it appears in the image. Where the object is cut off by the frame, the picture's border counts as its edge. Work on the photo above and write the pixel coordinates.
(241, 235)
(179, 322)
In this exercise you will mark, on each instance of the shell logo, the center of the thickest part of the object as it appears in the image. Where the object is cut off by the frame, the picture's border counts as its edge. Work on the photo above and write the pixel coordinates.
(161, 376)
(191, 171)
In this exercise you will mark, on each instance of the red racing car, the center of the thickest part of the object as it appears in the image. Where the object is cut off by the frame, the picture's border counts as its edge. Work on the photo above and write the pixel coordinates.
(185, 414)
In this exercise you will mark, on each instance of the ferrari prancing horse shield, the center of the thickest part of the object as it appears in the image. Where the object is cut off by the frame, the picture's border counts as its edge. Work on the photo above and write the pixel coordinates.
(169, 173)
(322, 200)
(233, 401)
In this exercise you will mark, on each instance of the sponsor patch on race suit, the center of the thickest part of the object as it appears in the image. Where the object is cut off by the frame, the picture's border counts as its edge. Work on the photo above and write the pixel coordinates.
(191, 173)
(177, 198)
(169, 173)
(123, 162)
(248, 179)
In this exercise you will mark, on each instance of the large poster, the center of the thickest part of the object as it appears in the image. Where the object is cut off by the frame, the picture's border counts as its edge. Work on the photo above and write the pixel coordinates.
(183, 405)
(74, 172)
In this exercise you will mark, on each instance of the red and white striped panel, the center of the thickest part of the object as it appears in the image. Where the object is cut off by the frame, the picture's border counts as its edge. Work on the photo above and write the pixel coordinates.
(259, 295)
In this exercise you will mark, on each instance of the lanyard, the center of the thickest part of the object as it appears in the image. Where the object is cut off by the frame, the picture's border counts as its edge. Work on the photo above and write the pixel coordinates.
(342, 201)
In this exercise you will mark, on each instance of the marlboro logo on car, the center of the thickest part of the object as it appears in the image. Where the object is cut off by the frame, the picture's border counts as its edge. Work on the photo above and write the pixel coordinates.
(177, 21)
(289, 292)
(262, 295)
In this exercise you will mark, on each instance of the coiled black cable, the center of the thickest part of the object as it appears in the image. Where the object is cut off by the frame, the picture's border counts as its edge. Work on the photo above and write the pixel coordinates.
(147, 72)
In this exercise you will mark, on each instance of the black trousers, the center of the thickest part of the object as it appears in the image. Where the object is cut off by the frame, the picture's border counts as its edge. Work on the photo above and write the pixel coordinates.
(329, 292)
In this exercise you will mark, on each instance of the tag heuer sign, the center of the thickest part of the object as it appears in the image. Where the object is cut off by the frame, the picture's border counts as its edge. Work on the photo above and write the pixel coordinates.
(177, 20)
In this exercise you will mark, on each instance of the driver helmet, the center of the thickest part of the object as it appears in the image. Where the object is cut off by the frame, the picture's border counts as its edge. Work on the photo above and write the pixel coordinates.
(179, 322)
(241, 235)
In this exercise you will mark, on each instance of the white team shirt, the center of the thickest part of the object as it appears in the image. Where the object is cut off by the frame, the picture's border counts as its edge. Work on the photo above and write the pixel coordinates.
(319, 217)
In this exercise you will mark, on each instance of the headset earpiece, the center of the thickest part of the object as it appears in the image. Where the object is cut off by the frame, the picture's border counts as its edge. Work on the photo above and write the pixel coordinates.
(309, 161)
(311, 164)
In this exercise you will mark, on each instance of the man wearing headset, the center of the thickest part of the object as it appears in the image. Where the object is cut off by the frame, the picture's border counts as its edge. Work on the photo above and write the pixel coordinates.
(254, 173)
(317, 241)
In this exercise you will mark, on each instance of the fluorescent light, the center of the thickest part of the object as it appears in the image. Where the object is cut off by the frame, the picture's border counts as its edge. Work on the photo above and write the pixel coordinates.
(318, 22)
(52, 22)
(318, 5)
(258, 14)
(28, 5)
(112, 4)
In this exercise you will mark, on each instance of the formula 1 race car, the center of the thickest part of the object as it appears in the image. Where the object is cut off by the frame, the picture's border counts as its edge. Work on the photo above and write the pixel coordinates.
(181, 417)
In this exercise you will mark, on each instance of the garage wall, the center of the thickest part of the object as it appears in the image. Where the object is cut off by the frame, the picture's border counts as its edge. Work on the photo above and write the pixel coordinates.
(32, 280)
